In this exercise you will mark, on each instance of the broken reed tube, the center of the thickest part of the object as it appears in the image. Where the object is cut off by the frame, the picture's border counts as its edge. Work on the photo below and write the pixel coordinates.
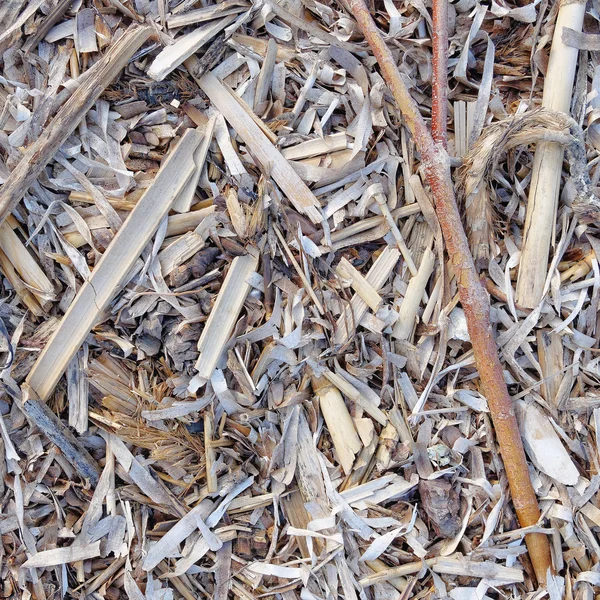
(540, 218)
(91, 85)
(345, 438)
(405, 324)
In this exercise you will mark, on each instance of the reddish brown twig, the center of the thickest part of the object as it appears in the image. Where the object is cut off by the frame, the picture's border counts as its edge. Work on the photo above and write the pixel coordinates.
(473, 297)
(439, 86)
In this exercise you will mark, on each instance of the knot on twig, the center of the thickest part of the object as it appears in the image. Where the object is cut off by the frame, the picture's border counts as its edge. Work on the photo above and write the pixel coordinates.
(474, 177)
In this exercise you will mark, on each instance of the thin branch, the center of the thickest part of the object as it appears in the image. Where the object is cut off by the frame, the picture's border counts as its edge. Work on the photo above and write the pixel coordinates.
(473, 296)
(439, 88)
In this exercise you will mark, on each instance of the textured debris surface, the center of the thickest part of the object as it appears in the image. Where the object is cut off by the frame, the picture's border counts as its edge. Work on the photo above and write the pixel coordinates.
(276, 396)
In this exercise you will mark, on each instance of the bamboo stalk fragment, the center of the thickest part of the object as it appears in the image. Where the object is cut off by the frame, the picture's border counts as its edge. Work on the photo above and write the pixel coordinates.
(259, 145)
(544, 190)
(359, 284)
(339, 422)
(19, 286)
(376, 277)
(116, 263)
(405, 324)
(25, 264)
(224, 315)
(330, 143)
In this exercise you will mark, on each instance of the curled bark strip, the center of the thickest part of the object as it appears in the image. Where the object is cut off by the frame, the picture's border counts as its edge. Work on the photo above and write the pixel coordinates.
(474, 177)
(473, 296)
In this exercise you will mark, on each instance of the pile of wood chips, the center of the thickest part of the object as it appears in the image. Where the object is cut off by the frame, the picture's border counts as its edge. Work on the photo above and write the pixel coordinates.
(234, 362)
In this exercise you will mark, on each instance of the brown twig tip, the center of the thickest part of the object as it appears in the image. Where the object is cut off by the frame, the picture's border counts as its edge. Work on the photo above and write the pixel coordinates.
(473, 296)
(439, 87)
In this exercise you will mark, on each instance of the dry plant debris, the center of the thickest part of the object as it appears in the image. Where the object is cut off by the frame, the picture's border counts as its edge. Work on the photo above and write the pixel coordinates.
(234, 359)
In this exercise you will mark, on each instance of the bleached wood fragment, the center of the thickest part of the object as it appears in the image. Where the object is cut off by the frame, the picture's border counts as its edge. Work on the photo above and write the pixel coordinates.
(376, 277)
(550, 355)
(85, 34)
(540, 218)
(25, 264)
(269, 158)
(93, 83)
(46, 25)
(359, 284)
(543, 445)
(61, 556)
(405, 324)
(339, 422)
(312, 28)
(172, 56)
(263, 85)
(224, 314)
(208, 13)
(95, 295)
(20, 287)
(349, 390)
(210, 454)
(316, 147)
(185, 199)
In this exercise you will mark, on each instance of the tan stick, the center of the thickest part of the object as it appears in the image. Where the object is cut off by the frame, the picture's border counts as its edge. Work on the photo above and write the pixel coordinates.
(259, 145)
(112, 270)
(405, 324)
(472, 295)
(547, 165)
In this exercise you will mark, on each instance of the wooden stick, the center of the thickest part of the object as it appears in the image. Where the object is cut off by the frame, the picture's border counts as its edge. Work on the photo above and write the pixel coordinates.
(359, 284)
(224, 314)
(210, 454)
(540, 218)
(60, 435)
(339, 422)
(260, 147)
(39, 153)
(405, 324)
(376, 277)
(95, 295)
(473, 297)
